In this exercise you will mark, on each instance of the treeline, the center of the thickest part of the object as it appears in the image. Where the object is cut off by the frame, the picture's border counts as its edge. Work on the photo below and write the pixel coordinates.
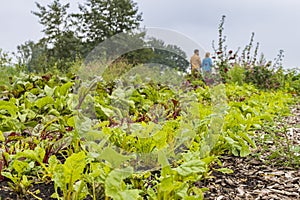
(70, 37)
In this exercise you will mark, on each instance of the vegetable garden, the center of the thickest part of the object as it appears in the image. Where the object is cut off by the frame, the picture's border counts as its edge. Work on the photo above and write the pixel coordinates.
(72, 139)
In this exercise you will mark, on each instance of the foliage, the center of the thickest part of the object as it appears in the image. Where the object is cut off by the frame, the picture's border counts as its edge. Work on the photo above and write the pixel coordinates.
(99, 20)
(292, 83)
(68, 176)
(6, 74)
(33, 56)
(54, 20)
(285, 152)
(236, 75)
(148, 140)
(263, 77)
(71, 36)
(132, 133)
(151, 53)
(168, 55)
(61, 45)
(246, 67)
(223, 57)
(4, 59)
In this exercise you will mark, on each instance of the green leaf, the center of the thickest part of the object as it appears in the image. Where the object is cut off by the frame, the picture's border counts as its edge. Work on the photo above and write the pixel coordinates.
(167, 184)
(247, 138)
(191, 167)
(152, 194)
(225, 170)
(129, 194)
(81, 190)
(208, 160)
(9, 106)
(25, 182)
(73, 167)
(114, 182)
(36, 155)
(245, 107)
(71, 121)
(65, 88)
(40, 103)
(83, 124)
(257, 126)
(162, 158)
(2, 138)
(197, 194)
(245, 151)
(113, 157)
(59, 177)
(22, 117)
(54, 112)
(107, 111)
(8, 175)
(183, 190)
(20, 166)
(55, 196)
(53, 162)
(115, 186)
(49, 91)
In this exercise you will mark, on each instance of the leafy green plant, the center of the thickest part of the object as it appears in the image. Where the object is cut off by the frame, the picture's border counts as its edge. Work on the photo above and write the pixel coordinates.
(177, 183)
(20, 183)
(67, 177)
(116, 188)
(236, 75)
(284, 152)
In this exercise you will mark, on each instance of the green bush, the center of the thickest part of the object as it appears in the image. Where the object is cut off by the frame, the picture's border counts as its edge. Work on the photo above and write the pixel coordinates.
(263, 77)
(236, 75)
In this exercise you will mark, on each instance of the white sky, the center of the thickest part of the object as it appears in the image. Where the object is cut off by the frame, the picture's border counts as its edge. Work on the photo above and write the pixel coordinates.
(276, 23)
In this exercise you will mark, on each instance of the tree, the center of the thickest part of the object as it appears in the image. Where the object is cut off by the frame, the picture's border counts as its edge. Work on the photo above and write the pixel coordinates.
(139, 51)
(169, 55)
(4, 59)
(101, 19)
(63, 46)
(33, 56)
(69, 36)
(24, 53)
(54, 18)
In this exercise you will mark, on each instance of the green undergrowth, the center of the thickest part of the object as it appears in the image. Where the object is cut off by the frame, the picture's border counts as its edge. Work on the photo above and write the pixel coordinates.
(278, 141)
(141, 140)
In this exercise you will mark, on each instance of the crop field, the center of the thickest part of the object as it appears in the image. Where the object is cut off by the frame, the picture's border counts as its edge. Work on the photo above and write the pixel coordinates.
(98, 140)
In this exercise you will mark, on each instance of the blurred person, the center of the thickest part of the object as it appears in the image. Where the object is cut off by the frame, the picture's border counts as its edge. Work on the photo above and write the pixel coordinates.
(207, 64)
(195, 62)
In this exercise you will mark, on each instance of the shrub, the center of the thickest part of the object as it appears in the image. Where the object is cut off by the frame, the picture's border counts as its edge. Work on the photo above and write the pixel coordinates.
(236, 75)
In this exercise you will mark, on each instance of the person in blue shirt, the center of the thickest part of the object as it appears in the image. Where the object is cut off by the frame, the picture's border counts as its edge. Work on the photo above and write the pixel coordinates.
(206, 64)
